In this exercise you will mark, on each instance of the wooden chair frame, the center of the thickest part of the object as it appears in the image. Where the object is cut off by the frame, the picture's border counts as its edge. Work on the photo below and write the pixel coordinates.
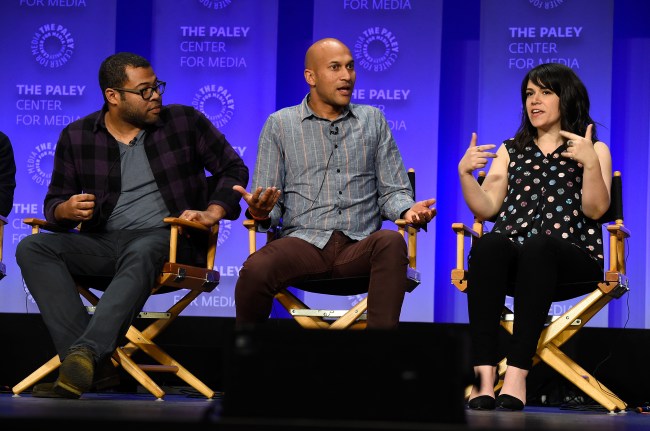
(560, 329)
(174, 276)
(354, 318)
(344, 319)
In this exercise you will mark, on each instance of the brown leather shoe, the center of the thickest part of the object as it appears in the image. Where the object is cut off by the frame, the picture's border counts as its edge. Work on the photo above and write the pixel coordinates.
(75, 376)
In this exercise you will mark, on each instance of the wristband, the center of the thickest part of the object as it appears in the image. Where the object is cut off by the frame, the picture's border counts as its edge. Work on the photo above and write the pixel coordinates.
(257, 218)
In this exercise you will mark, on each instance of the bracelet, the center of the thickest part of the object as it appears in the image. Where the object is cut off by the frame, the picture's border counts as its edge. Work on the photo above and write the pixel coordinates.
(258, 218)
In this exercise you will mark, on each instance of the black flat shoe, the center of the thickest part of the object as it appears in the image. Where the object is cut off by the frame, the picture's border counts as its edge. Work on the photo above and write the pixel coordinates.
(508, 402)
(482, 402)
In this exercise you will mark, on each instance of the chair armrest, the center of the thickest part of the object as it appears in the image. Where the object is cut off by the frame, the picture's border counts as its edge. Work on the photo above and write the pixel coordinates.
(466, 230)
(618, 233)
(619, 230)
(178, 224)
(38, 224)
(409, 232)
(459, 274)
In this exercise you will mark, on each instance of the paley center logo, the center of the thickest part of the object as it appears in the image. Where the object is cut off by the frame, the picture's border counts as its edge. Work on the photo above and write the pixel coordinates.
(216, 4)
(547, 4)
(216, 103)
(40, 162)
(225, 228)
(376, 49)
(52, 45)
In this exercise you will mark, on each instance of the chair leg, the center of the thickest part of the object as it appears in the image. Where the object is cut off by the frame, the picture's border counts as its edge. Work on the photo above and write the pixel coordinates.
(37, 375)
(168, 364)
(351, 316)
(587, 383)
(289, 301)
(137, 373)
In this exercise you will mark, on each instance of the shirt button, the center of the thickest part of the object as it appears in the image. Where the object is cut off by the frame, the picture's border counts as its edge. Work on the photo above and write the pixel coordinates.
(340, 212)
(338, 171)
(336, 146)
(340, 192)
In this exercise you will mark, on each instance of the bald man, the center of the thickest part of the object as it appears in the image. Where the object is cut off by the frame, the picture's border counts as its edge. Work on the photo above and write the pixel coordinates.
(329, 171)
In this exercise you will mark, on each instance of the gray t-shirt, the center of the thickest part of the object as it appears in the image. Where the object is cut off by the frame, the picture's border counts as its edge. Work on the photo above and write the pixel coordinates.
(140, 205)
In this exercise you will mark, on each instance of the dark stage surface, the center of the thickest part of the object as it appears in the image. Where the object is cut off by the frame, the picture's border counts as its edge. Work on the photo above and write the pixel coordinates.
(284, 372)
(186, 412)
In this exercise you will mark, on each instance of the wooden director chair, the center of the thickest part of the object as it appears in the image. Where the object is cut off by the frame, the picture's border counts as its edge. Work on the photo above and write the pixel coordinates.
(560, 329)
(173, 277)
(3, 267)
(355, 317)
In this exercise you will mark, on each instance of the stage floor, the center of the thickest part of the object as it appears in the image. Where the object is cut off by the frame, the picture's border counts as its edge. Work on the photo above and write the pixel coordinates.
(185, 411)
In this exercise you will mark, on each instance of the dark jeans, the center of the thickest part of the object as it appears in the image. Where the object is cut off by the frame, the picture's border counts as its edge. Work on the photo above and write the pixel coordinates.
(130, 260)
(543, 270)
(289, 260)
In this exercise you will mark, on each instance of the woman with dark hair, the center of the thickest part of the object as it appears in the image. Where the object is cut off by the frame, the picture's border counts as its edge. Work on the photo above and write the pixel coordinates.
(545, 190)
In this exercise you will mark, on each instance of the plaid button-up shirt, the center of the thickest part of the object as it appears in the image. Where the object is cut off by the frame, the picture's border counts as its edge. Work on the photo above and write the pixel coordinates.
(180, 146)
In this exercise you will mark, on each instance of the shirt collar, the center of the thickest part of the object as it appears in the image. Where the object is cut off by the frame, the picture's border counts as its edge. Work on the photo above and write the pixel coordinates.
(306, 112)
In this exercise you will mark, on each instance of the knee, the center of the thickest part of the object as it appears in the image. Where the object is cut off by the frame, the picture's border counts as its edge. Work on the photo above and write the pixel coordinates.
(490, 243)
(390, 239)
(25, 249)
(254, 272)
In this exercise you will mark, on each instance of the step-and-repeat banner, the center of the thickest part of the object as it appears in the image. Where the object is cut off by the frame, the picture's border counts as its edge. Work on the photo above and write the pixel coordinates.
(396, 46)
(220, 57)
(51, 54)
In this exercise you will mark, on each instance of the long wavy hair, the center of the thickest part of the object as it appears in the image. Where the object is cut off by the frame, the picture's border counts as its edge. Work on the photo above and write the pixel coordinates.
(574, 101)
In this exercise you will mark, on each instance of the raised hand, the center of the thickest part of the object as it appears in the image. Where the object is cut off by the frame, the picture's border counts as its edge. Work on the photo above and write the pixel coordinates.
(261, 201)
(579, 148)
(476, 156)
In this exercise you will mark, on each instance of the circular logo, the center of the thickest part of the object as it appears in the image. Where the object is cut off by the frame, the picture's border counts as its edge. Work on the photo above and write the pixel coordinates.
(376, 49)
(215, 4)
(216, 103)
(40, 162)
(52, 45)
(225, 228)
(546, 4)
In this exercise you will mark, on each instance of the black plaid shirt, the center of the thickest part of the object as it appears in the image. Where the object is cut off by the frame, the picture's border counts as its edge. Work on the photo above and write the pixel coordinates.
(180, 146)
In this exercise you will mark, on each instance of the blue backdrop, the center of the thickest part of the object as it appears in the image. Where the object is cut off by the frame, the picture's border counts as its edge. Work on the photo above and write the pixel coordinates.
(440, 69)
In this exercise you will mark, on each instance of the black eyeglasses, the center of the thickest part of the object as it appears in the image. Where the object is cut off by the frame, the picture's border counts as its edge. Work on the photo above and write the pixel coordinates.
(147, 92)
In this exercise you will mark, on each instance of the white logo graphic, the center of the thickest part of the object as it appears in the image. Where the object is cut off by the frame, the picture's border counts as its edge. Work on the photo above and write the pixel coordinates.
(216, 103)
(215, 4)
(376, 49)
(40, 162)
(52, 45)
(225, 227)
(546, 4)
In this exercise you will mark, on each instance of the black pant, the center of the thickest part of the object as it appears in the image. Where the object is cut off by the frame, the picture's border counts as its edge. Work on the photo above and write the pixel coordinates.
(51, 262)
(543, 270)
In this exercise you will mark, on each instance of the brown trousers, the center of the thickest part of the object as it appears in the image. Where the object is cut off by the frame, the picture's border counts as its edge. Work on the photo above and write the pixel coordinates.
(289, 260)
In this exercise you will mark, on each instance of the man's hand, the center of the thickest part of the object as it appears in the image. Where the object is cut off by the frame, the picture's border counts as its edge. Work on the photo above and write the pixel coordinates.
(78, 208)
(207, 218)
(260, 202)
(421, 213)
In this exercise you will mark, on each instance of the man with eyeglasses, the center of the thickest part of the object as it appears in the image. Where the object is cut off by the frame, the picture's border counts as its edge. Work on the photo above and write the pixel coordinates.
(117, 173)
